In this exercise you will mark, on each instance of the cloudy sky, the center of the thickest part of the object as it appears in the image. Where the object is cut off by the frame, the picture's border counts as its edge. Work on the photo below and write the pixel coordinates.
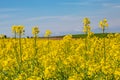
(59, 16)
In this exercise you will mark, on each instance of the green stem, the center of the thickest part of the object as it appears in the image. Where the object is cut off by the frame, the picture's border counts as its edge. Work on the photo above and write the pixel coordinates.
(85, 69)
(17, 58)
(48, 44)
(35, 52)
(35, 39)
(86, 47)
(15, 34)
(20, 51)
(104, 45)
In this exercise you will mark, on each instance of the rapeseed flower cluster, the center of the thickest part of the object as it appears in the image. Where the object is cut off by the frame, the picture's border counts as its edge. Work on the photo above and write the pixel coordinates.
(103, 24)
(35, 31)
(18, 29)
(47, 33)
(86, 23)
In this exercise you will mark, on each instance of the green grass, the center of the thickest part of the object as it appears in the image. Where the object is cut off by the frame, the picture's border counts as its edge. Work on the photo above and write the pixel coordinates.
(100, 35)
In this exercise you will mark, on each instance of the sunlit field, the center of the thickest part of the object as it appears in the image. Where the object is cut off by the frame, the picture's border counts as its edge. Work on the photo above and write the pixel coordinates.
(88, 58)
(62, 59)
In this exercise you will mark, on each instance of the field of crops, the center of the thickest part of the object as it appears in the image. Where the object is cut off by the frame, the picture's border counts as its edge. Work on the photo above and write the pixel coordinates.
(69, 58)
(66, 59)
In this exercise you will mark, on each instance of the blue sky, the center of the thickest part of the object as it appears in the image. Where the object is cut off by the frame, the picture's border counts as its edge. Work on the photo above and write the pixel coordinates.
(59, 16)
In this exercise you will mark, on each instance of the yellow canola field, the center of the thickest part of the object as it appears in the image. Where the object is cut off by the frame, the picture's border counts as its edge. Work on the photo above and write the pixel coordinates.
(65, 59)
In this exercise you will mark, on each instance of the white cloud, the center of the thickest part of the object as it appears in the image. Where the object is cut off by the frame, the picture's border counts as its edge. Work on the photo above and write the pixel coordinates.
(76, 3)
(41, 18)
(4, 16)
(112, 5)
(85, 2)
(67, 18)
(116, 6)
(8, 9)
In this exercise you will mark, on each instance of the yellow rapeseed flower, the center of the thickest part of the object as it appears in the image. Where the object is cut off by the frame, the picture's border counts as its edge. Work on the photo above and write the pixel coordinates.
(35, 30)
(18, 29)
(47, 33)
(14, 28)
(103, 23)
(86, 23)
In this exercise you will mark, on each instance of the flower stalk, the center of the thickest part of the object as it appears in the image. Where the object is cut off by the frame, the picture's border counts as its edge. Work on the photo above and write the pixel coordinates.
(18, 30)
(104, 24)
(47, 34)
(35, 32)
(86, 30)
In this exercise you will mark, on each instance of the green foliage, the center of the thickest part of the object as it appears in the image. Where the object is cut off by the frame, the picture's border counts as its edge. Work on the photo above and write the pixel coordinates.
(96, 34)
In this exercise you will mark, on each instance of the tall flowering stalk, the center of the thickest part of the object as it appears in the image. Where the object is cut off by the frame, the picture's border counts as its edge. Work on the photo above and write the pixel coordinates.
(14, 29)
(19, 30)
(87, 31)
(35, 32)
(47, 34)
(86, 28)
(103, 25)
